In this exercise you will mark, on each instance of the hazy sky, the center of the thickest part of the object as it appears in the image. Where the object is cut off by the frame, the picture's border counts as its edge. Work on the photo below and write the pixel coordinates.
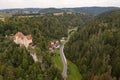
(56, 3)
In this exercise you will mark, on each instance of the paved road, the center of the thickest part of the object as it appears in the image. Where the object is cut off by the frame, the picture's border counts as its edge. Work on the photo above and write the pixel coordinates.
(64, 61)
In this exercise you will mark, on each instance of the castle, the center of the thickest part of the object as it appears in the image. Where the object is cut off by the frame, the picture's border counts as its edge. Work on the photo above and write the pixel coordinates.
(21, 39)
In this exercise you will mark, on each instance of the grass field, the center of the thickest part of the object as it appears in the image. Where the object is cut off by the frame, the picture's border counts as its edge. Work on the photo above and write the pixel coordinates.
(73, 72)
(57, 60)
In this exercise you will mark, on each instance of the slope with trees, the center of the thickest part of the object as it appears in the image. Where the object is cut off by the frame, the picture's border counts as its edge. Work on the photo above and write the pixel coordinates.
(15, 62)
(95, 48)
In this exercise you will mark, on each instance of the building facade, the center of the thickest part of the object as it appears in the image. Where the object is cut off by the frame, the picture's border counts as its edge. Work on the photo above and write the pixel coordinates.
(21, 39)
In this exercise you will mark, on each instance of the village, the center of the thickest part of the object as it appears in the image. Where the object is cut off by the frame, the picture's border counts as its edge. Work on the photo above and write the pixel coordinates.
(26, 40)
(55, 44)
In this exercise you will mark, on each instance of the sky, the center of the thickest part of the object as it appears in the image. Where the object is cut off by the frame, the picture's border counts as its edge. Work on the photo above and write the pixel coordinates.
(5, 4)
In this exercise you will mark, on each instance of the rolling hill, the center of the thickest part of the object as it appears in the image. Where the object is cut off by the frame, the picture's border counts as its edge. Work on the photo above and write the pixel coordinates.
(89, 10)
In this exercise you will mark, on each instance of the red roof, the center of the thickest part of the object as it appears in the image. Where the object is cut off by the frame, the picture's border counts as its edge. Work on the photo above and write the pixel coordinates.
(20, 35)
(28, 37)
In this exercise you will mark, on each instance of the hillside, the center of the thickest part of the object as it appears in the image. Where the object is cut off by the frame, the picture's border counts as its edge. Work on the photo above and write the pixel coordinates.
(16, 63)
(88, 10)
(92, 10)
(93, 51)
(51, 10)
(95, 48)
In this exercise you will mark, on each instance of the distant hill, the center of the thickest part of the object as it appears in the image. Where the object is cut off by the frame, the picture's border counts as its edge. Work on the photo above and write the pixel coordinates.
(92, 10)
(89, 10)
(51, 10)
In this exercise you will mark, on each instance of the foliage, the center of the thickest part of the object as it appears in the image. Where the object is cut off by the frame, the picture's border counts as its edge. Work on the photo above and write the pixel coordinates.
(95, 48)
(15, 62)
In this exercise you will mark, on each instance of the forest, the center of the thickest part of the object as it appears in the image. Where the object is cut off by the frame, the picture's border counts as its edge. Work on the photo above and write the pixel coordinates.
(15, 62)
(95, 48)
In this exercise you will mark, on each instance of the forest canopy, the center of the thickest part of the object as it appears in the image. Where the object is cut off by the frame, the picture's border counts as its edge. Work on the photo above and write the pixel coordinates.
(95, 48)
(15, 62)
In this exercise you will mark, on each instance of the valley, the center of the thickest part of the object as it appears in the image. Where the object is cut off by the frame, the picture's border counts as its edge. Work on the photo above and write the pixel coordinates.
(60, 45)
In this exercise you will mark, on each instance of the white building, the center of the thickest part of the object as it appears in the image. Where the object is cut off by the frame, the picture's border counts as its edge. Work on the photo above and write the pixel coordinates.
(21, 39)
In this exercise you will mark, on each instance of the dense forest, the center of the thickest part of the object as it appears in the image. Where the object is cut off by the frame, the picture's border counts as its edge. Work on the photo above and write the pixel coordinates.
(95, 48)
(16, 62)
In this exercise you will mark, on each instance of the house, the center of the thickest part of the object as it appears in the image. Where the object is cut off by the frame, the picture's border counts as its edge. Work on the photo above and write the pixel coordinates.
(54, 44)
(62, 39)
(21, 39)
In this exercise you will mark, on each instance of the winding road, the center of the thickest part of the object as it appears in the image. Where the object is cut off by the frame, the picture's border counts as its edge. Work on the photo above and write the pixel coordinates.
(62, 55)
(64, 61)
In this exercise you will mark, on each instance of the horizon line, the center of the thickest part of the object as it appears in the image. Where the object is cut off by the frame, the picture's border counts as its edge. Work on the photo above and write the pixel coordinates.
(57, 7)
